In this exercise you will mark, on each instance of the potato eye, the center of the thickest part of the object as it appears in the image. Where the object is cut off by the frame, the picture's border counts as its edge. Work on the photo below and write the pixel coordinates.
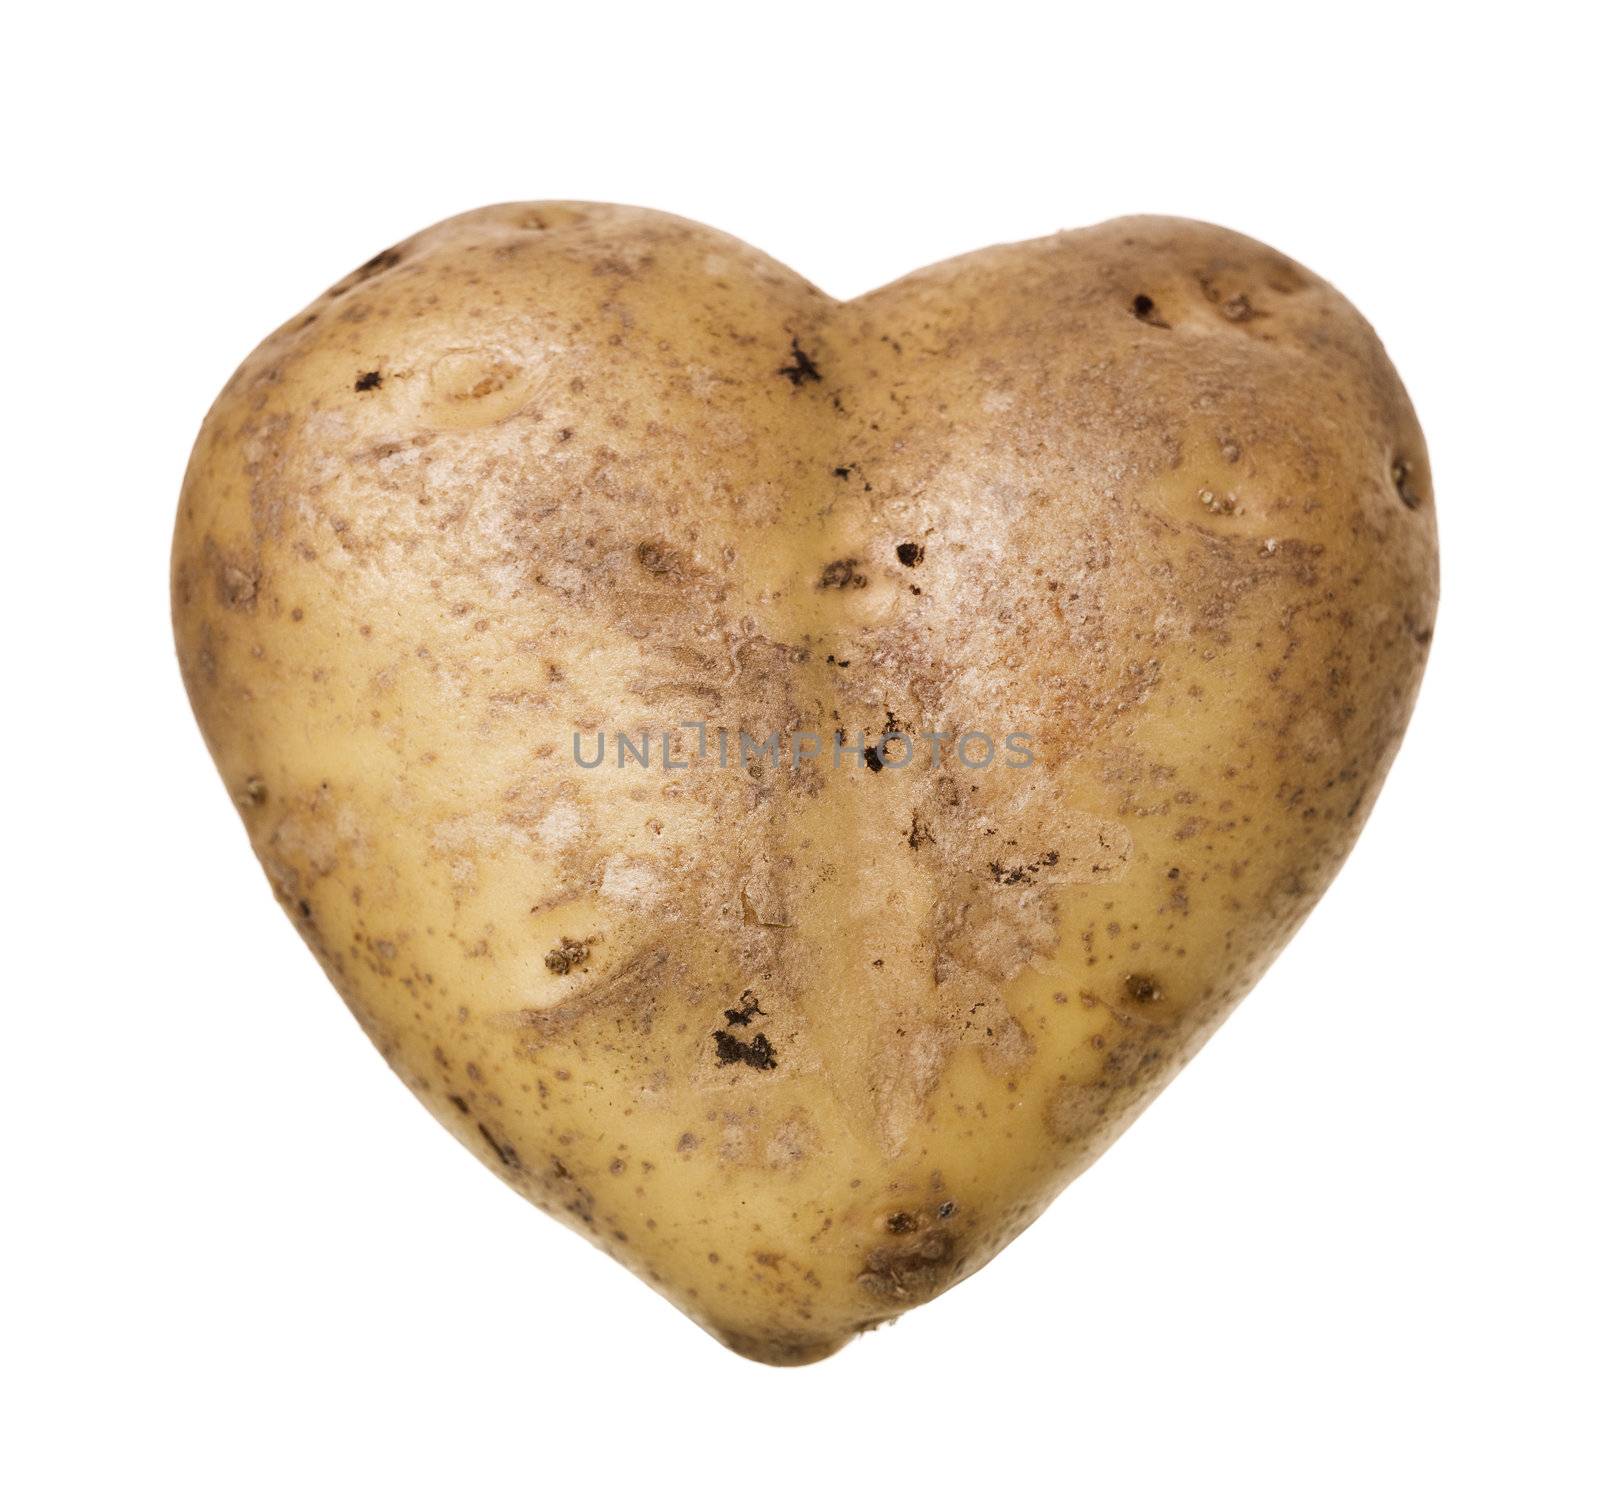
(1144, 308)
(1400, 474)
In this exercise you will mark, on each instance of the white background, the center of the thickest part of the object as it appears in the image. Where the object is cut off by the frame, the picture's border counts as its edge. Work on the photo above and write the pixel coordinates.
(1352, 1246)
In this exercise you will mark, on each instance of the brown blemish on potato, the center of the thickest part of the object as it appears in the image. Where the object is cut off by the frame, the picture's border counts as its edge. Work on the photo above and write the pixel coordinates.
(1141, 989)
(841, 574)
(912, 1273)
(236, 579)
(471, 387)
(566, 955)
(1234, 306)
(1085, 1113)
(503, 1150)
(660, 558)
(378, 264)
(388, 259)
(756, 1052)
(1144, 308)
(748, 1009)
(1400, 474)
(800, 368)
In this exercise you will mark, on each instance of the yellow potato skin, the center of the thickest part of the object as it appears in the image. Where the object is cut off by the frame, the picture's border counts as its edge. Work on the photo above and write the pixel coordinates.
(1149, 492)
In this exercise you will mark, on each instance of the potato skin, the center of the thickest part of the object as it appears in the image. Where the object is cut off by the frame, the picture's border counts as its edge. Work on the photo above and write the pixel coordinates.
(1149, 491)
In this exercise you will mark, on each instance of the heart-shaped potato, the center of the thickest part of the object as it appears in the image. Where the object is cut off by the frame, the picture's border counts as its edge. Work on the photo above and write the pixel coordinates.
(1085, 584)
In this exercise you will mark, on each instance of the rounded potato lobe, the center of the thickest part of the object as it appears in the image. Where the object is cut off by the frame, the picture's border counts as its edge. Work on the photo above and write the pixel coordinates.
(803, 1037)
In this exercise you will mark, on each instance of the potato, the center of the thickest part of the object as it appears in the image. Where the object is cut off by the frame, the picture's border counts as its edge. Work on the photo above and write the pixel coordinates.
(802, 1031)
